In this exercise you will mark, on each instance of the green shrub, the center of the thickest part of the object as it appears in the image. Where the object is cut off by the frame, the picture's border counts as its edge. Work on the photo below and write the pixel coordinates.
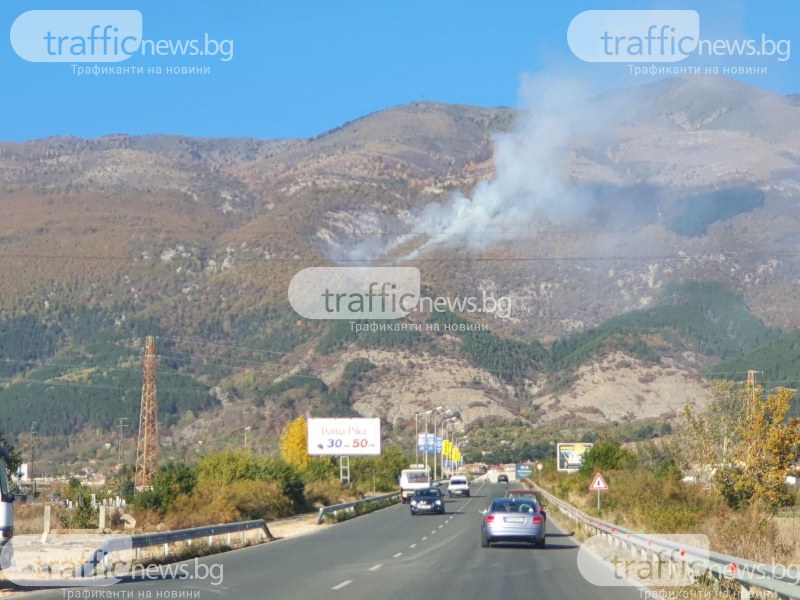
(82, 516)
(172, 480)
(323, 492)
(383, 470)
(273, 469)
(259, 499)
(607, 455)
(226, 467)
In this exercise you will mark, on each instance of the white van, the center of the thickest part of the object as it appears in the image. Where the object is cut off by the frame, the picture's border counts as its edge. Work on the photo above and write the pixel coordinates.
(458, 486)
(412, 480)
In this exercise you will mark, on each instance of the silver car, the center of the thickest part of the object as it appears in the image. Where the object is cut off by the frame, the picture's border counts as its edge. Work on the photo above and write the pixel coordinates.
(512, 520)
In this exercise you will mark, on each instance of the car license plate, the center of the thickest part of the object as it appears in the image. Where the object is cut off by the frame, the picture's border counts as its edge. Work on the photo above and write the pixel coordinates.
(424, 504)
(515, 519)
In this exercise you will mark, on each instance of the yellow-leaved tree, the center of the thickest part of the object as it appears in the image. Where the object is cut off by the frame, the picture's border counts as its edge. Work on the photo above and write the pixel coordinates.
(294, 443)
(769, 445)
(746, 443)
(709, 443)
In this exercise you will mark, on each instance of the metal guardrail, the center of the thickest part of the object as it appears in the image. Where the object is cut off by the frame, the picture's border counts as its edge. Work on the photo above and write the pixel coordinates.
(351, 506)
(165, 538)
(777, 579)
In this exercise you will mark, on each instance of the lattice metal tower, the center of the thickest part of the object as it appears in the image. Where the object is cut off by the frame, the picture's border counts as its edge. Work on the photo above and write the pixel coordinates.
(147, 449)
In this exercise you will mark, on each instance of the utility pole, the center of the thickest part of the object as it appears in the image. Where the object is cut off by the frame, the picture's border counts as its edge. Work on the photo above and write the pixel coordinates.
(751, 378)
(33, 431)
(751, 387)
(148, 447)
(122, 422)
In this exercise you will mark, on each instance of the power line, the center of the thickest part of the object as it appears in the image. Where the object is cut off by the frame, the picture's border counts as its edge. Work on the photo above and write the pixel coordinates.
(206, 356)
(39, 364)
(391, 261)
(226, 346)
(50, 382)
(158, 229)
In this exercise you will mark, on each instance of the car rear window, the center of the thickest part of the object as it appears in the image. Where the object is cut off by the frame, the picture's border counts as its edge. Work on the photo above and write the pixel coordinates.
(513, 506)
(459, 481)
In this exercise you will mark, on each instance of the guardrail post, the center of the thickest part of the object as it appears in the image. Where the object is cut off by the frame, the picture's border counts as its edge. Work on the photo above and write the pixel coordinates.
(46, 528)
(166, 549)
(716, 580)
(228, 539)
(210, 541)
(244, 536)
(138, 554)
(744, 591)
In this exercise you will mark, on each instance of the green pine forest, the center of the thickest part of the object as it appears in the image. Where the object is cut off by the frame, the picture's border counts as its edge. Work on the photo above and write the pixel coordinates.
(79, 367)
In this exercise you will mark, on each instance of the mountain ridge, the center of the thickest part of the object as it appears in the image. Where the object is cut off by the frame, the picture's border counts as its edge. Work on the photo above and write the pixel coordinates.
(111, 239)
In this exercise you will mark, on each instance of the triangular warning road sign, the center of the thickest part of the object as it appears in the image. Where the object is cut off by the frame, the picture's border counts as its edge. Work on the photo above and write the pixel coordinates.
(598, 483)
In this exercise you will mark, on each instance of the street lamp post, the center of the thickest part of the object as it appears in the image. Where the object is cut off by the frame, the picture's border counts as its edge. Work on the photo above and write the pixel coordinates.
(459, 441)
(450, 419)
(435, 440)
(539, 468)
(416, 432)
(427, 414)
(451, 432)
(453, 443)
(416, 439)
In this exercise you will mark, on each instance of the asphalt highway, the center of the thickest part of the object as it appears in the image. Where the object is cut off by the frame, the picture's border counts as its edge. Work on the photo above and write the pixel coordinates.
(385, 555)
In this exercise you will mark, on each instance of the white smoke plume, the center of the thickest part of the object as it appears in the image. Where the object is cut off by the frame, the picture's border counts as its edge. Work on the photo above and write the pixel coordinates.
(531, 186)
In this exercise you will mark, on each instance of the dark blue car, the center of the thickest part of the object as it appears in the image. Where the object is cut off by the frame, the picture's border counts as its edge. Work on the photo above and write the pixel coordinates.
(429, 500)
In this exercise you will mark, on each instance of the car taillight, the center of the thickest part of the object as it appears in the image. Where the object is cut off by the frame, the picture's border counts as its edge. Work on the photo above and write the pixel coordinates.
(537, 520)
(489, 518)
(7, 533)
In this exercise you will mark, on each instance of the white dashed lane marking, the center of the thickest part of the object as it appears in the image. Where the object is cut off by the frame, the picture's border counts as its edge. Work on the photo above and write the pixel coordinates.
(375, 568)
(343, 584)
(399, 554)
(413, 546)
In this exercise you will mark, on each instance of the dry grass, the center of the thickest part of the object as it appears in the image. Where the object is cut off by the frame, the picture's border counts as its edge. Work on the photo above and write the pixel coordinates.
(29, 518)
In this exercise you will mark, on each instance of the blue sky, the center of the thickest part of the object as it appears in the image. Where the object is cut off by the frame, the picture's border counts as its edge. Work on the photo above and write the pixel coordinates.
(302, 67)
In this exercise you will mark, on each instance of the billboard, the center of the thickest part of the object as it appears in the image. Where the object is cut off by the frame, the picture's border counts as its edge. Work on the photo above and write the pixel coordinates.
(429, 443)
(569, 456)
(523, 471)
(344, 437)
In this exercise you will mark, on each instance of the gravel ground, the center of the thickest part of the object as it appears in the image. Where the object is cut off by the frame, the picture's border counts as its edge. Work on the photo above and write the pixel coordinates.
(295, 525)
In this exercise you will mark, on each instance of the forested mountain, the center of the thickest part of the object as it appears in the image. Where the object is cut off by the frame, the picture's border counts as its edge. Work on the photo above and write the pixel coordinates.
(646, 257)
